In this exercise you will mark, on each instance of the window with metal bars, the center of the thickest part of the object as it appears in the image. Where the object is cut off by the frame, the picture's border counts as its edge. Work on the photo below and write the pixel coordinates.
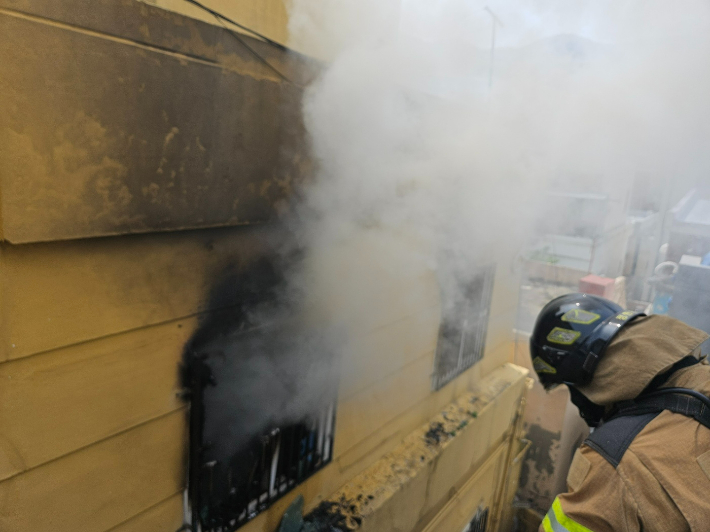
(246, 449)
(262, 389)
(479, 523)
(464, 323)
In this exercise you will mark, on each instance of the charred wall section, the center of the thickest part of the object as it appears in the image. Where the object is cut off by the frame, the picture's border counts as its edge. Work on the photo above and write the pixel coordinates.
(132, 119)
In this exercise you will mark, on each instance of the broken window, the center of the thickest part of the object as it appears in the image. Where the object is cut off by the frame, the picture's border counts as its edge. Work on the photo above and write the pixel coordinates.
(465, 302)
(262, 388)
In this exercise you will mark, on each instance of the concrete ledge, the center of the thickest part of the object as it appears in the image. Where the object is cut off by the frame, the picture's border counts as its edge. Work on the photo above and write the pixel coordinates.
(408, 487)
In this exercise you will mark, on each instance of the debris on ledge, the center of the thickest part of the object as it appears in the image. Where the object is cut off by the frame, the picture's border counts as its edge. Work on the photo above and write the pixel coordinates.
(346, 509)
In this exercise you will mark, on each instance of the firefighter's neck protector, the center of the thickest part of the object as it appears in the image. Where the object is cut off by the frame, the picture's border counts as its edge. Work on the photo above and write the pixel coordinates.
(571, 335)
(590, 412)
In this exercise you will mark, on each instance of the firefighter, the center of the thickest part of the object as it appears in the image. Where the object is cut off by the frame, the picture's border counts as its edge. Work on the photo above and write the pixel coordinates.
(641, 384)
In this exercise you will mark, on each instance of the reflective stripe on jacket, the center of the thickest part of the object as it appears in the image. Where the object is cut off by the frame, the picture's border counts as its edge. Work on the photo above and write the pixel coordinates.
(557, 521)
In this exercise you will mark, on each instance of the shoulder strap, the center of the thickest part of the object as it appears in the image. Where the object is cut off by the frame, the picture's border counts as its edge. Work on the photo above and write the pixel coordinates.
(660, 380)
(613, 438)
(690, 403)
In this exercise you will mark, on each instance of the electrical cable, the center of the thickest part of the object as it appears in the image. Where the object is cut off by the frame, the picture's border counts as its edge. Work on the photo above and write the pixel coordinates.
(221, 18)
(238, 25)
(256, 54)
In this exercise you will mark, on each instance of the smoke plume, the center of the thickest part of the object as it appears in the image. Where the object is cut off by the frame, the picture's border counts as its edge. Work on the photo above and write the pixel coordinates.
(435, 154)
(422, 132)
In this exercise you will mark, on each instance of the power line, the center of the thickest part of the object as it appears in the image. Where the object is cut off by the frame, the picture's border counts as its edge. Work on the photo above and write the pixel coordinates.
(238, 25)
(255, 53)
(221, 18)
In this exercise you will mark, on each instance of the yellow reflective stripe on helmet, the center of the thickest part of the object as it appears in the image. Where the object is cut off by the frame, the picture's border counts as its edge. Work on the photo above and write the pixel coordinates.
(557, 521)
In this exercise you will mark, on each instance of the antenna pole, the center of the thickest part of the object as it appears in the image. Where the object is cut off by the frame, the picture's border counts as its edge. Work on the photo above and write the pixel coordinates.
(496, 22)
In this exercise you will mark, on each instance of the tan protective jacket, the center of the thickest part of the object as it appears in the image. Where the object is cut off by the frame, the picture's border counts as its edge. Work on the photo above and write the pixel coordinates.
(662, 483)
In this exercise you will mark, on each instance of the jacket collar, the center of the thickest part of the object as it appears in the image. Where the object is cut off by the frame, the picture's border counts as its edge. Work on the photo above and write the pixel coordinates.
(643, 349)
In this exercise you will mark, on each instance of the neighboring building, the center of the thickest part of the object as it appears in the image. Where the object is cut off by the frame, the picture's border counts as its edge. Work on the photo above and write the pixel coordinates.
(144, 155)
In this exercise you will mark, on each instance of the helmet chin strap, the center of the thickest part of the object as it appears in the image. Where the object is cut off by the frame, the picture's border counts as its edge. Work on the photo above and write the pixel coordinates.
(591, 413)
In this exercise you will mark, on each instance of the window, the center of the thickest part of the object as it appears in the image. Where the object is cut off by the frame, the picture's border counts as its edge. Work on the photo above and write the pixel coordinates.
(479, 523)
(262, 389)
(462, 333)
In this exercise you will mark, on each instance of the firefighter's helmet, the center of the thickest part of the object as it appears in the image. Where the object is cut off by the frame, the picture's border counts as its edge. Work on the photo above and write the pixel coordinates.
(570, 336)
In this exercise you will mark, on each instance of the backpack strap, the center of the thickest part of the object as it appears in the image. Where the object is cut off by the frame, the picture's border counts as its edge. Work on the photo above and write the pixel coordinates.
(660, 380)
(690, 403)
(613, 438)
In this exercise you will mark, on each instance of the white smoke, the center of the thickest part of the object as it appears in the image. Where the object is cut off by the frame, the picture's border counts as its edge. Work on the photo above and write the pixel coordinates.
(409, 132)
(434, 155)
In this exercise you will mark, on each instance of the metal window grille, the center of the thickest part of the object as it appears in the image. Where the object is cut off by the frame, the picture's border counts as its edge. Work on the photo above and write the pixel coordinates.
(262, 416)
(261, 384)
(226, 491)
(462, 333)
(479, 523)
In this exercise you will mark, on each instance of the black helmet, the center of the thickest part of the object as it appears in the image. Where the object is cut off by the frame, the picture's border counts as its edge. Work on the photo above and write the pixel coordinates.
(570, 336)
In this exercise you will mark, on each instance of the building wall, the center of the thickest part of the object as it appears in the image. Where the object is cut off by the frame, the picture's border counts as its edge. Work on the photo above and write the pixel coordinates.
(112, 242)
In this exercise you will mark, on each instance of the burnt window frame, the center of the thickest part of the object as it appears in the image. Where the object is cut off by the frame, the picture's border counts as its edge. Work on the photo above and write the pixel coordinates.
(444, 372)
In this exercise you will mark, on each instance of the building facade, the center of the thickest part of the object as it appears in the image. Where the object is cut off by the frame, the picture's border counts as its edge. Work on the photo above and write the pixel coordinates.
(146, 156)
